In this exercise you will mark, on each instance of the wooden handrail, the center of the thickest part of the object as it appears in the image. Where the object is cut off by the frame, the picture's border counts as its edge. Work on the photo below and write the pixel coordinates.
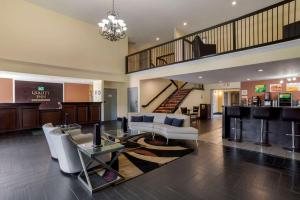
(218, 25)
(242, 33)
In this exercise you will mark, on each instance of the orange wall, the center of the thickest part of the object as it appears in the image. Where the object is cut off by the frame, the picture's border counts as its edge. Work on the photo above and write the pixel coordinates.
(6, 90)
(250, 86)
(74, 92)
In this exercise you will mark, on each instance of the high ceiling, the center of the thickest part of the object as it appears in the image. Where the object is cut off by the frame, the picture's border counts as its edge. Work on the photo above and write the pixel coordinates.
(273, 70)
(148, 19)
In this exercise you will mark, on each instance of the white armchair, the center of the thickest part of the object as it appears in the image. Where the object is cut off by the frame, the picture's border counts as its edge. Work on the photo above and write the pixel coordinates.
(47, 128)
(66, 149)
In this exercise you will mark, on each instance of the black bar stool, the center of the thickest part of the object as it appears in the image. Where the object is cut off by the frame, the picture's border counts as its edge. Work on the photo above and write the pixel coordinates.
(234, 112)
(292, 115)
(263, 114)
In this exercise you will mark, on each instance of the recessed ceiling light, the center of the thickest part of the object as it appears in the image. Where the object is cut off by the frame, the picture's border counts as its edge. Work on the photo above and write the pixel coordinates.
(200, 77)
(260, 70)
(233, 3)
(185, 23)
(289, 79)
(294, 78)
(281, 81)
(248, 79)
(157, 39)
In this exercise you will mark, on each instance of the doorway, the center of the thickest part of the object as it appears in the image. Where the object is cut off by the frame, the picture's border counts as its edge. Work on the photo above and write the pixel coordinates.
(110, 105)
(220, 98)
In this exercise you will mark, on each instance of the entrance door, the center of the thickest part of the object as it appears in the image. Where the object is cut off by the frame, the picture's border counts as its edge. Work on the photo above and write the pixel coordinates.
(132, 99)
(110, 105)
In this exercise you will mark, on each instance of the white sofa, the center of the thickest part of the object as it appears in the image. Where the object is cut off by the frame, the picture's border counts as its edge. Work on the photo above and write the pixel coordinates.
(63, 146)
(158, 127)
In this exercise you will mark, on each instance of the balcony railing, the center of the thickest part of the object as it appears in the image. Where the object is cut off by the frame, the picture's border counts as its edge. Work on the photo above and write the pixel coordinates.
(274, 24)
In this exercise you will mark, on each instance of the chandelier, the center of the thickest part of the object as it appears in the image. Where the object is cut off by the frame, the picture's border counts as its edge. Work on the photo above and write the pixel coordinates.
(113, 28)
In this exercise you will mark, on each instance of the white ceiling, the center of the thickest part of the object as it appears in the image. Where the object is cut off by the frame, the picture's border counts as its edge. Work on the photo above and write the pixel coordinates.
(273, 70)
(148, 19)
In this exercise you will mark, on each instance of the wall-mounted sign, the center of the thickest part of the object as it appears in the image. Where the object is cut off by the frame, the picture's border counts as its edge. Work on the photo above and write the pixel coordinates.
(275, 88)
(293, 87)
(260, 88)
(244, 92)
(48, 94)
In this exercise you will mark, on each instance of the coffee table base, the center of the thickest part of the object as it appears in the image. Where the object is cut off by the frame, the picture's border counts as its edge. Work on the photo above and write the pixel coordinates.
(94, 180)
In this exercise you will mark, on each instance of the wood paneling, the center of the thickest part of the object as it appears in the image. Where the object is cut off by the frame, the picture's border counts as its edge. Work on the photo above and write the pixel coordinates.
(8, 119)
(30, 118)
(50, 116)
(21, 116)
(95, 113)
(50, 93)
(82, 114)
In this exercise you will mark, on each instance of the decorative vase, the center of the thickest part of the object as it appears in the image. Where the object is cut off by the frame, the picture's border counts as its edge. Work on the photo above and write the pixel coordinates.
(97, 136)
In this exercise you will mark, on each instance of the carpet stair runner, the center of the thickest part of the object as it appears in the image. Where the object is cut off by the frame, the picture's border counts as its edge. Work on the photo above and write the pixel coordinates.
(172, 103)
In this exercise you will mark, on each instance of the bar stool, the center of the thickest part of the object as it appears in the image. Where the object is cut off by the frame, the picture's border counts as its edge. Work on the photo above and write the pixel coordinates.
(263, 114)
(234, 112)
(292, 115)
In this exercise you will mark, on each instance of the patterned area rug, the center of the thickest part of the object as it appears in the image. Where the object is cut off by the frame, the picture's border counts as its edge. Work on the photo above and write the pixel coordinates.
(143, 154)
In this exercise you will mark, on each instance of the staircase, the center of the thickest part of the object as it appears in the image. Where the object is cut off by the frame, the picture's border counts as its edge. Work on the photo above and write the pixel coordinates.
(171, 104)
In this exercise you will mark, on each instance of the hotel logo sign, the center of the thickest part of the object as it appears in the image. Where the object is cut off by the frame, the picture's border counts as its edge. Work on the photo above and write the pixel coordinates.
(40, 94)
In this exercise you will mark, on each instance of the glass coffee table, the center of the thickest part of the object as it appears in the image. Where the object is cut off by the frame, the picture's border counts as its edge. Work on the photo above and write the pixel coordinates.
(103, 176)
(118, 135)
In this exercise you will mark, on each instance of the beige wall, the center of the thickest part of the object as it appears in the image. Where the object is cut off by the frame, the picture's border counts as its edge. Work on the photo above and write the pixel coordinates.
(6, 90)
(150, 88)
(195, 98)
(121, 96)
(74, 92)
(42, 38)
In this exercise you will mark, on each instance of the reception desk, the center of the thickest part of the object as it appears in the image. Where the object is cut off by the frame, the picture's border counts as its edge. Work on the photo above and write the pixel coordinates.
(278, 128)
(24, 116)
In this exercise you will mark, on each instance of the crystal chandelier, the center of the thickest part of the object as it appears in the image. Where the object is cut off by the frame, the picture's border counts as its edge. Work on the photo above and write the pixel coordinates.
(113, 28)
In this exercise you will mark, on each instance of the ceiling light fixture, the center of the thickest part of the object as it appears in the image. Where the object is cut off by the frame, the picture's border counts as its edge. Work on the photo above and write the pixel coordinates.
(248, 79)
(113, 28)
(289, 79)
(157, 39)
(233, 3)
(294, 78)
(185, 23)
(200, 77)
(281, 82)
(260, 70)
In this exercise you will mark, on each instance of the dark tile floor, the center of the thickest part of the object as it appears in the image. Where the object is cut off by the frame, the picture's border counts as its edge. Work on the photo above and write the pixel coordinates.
(212, 172)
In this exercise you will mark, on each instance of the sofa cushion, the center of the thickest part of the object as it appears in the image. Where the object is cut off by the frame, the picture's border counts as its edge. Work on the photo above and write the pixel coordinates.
(148, 119)
(177, 122)
(180, 130)
(168, 121)
(82, 138)
(159, 117)
(136, 118)
(142, 124)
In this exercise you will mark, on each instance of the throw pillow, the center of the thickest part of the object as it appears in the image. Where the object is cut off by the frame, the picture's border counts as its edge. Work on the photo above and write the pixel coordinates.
(148, 119)
(136, 118)
(177, 122)
(168, 121)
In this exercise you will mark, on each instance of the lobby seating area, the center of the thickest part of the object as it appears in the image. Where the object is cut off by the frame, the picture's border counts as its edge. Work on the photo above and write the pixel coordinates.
(165, 125)
(150, 100)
